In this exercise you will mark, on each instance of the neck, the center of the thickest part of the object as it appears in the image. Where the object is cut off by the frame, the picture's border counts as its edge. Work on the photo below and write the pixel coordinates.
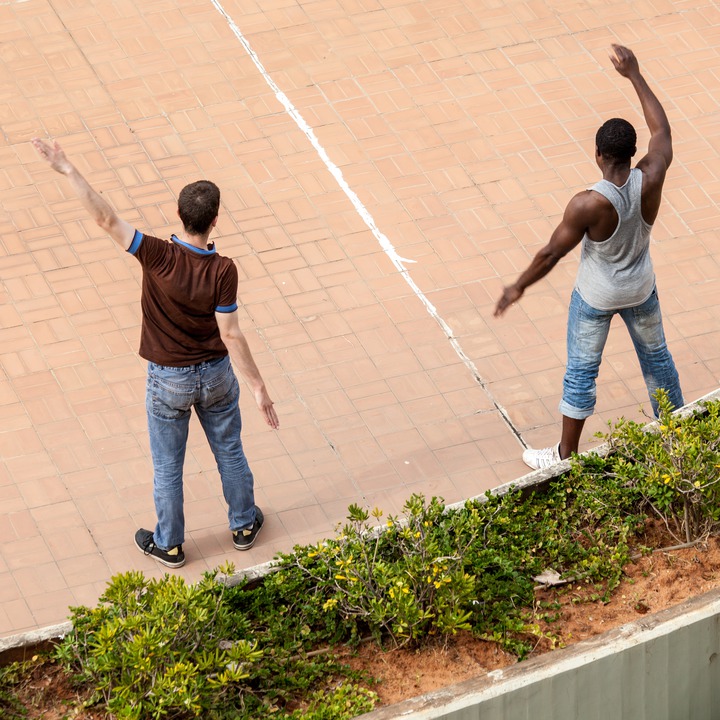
(198, 241)
(616, 173)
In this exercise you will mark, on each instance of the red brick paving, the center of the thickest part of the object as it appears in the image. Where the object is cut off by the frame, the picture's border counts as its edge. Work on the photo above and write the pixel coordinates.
(463, 130)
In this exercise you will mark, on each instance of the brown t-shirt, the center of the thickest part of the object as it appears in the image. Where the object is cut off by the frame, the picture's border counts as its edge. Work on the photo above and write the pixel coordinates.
(183, 287)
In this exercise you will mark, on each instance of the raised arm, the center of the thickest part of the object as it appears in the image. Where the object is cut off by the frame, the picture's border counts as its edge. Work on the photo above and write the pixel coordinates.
(119, 230)
(565, 237)
(239, 350)
(660, 150)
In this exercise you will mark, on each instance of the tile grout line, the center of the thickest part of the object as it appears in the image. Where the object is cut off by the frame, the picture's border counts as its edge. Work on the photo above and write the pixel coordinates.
(388, 248)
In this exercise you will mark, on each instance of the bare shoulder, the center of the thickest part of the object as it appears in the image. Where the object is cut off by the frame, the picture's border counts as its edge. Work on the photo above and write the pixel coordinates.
(588, 205)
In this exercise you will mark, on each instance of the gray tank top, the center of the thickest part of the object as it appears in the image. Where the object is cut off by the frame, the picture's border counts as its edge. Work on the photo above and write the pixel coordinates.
(618, 272)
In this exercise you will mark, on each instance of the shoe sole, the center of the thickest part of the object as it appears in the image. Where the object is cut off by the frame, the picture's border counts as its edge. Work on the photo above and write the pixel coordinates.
(157, 559)
(250, 544)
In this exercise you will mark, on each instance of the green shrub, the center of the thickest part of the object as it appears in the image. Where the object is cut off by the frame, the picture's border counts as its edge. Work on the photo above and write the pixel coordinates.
(436, 571)
(579, 527)
(342, 703)
(11, 677)
(159, 648)
(166, 649)
(400, 583)
(675, 465)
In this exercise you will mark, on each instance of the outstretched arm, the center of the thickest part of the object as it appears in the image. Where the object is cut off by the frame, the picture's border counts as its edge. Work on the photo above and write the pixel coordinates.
(660, 147)
(237, 345)
(119, 230)
(566, 236)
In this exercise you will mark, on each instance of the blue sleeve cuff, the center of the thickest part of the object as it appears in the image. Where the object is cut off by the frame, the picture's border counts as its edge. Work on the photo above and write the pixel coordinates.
(135, 244)
(226, 308)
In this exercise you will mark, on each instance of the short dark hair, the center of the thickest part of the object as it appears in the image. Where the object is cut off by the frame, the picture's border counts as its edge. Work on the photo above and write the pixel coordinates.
(198, 206)
(616, 138)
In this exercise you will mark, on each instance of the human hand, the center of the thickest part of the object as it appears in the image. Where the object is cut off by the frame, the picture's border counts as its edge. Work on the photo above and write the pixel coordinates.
(265, 405)
(53, 155)
(624, 60)
(511, 294)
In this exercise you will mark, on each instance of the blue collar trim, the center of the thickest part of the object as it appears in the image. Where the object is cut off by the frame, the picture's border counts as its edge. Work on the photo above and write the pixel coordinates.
(192, 248)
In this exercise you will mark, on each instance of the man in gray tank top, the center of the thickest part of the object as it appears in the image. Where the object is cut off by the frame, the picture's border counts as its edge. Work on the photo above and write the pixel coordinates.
(612, 220)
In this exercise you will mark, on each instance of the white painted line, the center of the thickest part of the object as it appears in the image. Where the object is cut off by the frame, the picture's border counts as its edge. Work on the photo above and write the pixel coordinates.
(385, 244)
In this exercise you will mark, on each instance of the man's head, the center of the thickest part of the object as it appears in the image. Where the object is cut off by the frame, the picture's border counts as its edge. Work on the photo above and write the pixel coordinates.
(198, 206)
(616, 140)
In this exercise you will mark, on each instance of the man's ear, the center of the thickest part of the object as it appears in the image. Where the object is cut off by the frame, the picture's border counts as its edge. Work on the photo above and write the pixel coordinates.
(214, 222)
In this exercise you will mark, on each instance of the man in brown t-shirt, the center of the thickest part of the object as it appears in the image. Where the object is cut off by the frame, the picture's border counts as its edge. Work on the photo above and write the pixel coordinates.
(189, 324)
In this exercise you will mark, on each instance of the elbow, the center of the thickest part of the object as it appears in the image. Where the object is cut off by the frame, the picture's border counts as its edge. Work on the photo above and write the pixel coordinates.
(550, 258)
(230, 338)
(107, 221)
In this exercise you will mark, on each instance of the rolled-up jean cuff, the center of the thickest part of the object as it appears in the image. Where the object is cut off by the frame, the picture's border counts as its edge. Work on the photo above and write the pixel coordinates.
(573, 412)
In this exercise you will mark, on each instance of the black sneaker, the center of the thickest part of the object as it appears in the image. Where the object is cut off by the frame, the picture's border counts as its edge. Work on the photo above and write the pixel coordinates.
(245, 539)
(172, 558)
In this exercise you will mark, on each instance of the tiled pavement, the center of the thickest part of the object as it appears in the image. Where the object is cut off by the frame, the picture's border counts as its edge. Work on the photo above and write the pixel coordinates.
(460, 129)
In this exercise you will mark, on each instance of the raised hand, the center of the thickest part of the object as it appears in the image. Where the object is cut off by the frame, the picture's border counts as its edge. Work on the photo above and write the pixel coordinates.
(624, 60)
(53, 155)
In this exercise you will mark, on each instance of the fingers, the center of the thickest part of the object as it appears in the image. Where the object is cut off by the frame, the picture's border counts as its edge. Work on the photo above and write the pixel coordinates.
(502, 305)
(40, 146)
(271, 417)
(622, 55)
(265, 405)
(509, 297)
(45, 150)
(500, 308)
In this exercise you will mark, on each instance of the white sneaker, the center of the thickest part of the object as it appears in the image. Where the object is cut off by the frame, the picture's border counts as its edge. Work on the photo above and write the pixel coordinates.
(541, 459)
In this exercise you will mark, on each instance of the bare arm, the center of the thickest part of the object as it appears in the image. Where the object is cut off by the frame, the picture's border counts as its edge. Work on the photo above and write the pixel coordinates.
(565, 237)
(241, 356)
(660, 152)
(119, 230)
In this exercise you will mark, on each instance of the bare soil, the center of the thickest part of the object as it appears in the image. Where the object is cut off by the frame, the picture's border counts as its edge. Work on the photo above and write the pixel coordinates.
(652, 583)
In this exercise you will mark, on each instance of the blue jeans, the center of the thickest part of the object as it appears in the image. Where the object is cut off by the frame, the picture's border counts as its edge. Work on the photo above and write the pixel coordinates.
(586, 335)
(212, 389)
